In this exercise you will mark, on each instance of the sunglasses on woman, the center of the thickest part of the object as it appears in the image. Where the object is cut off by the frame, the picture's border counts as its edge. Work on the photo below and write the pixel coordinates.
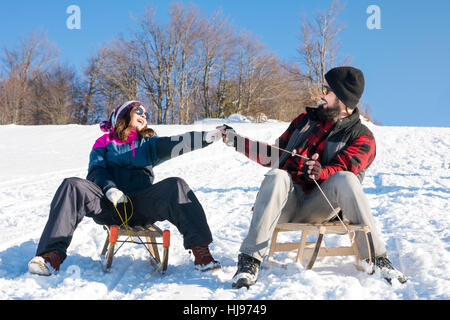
(326, 90)
(139, 111)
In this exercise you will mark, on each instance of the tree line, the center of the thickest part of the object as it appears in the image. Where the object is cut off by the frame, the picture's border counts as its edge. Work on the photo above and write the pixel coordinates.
(191, 67)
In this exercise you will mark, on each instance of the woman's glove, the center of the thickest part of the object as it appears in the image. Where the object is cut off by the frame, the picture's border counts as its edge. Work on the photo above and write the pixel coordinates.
(116, 196)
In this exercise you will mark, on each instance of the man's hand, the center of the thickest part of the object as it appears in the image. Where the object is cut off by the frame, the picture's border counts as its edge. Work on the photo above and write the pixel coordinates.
(116, 196)
(313, 167)
(228, 135)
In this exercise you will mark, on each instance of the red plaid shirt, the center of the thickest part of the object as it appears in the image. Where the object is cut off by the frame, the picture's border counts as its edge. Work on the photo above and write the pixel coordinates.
(357, 154)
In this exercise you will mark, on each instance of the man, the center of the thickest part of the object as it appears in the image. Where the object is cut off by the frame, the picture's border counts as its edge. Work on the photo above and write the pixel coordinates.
(335, 149)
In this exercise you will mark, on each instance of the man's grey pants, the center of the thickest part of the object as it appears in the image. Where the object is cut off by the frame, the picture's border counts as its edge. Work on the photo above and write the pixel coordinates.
(280, 200)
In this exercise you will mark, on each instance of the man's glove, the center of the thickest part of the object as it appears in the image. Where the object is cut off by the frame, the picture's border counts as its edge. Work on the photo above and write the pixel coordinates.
(229, 136)
(312, 168)
(116, 196)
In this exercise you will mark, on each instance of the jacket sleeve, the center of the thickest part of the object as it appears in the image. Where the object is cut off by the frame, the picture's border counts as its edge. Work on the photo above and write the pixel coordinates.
(264, 153)
(354, 158)
(257, 151)
(165, 148)
(97, 170)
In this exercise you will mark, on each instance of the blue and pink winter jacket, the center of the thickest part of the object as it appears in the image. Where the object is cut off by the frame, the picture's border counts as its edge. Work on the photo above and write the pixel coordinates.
(128, 165)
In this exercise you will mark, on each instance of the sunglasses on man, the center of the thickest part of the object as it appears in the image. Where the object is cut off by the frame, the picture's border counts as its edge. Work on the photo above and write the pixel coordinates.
(326, 90)
(139, 111)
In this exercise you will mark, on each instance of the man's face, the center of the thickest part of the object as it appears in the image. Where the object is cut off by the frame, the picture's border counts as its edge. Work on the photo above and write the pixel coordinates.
(331, 107)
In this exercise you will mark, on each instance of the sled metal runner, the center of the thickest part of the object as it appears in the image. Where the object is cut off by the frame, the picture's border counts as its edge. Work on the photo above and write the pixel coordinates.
(150, 232)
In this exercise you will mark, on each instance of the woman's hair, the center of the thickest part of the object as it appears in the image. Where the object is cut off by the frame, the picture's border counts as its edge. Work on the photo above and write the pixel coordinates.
(122, 131)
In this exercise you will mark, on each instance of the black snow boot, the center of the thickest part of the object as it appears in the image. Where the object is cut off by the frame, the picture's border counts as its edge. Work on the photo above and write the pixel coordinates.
(387, 270)
(247, 271)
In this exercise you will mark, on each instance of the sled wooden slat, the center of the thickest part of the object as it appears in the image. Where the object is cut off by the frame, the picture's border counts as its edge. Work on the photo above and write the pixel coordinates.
(151, 231)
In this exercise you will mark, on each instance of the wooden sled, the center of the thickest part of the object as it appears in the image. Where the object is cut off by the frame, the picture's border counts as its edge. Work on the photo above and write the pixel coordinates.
(310, 251)
(115, 235)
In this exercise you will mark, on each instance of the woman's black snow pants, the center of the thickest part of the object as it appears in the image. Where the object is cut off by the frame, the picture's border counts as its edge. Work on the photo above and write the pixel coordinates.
(170, 199)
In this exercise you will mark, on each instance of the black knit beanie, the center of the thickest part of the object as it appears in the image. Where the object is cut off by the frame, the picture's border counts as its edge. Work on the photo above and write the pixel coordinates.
(347, 83)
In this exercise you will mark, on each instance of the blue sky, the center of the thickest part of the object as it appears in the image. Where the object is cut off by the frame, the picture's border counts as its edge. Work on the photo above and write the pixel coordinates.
(406, 63)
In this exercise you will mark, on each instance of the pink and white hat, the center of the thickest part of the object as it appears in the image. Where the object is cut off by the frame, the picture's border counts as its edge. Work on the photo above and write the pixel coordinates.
(117, 114)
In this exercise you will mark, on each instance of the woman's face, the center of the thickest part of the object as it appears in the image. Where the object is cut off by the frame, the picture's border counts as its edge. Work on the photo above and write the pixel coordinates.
(138, 118)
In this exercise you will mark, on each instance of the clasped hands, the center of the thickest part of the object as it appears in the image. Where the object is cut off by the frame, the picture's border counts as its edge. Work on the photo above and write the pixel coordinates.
(228, 135)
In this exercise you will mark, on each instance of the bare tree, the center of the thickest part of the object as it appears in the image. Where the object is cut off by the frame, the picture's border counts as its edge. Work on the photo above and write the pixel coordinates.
(260, 84)
(186, 23)
(34, 56)
(53, 96)
(119, 73)
(90, 87)
(319, 47)
(149, 40)
(14, 97)
(216, 39)
(176, 61)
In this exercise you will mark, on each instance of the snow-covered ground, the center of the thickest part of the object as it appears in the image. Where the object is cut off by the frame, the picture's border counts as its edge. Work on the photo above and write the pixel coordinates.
(408, 186)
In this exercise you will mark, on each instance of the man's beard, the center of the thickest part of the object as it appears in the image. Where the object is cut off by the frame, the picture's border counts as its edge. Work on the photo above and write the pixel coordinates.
(330, 113)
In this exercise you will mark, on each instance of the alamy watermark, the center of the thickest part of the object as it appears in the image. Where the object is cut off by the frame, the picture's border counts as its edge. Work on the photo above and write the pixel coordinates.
(374, 20)
(74, 20)
(74, 272)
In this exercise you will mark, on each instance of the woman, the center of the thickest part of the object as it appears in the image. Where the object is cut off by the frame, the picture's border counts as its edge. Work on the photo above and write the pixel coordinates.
(121, 172)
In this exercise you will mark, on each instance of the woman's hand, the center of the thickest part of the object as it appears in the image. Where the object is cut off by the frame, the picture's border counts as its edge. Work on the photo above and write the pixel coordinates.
(116, 196)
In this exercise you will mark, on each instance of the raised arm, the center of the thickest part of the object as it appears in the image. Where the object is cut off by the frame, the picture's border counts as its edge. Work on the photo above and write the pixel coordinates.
(170, 147)
(261, 152)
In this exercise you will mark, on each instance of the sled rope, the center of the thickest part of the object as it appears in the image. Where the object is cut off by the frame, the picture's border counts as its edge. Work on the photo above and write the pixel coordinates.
(334, 210)
(318, 186)
(125, 222)
(160, 264)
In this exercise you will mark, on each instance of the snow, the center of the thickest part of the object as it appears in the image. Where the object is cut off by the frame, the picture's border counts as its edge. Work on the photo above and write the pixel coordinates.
(408, 186)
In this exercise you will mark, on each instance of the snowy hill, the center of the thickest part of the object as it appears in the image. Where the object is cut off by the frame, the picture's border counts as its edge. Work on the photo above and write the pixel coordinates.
(408, 186)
